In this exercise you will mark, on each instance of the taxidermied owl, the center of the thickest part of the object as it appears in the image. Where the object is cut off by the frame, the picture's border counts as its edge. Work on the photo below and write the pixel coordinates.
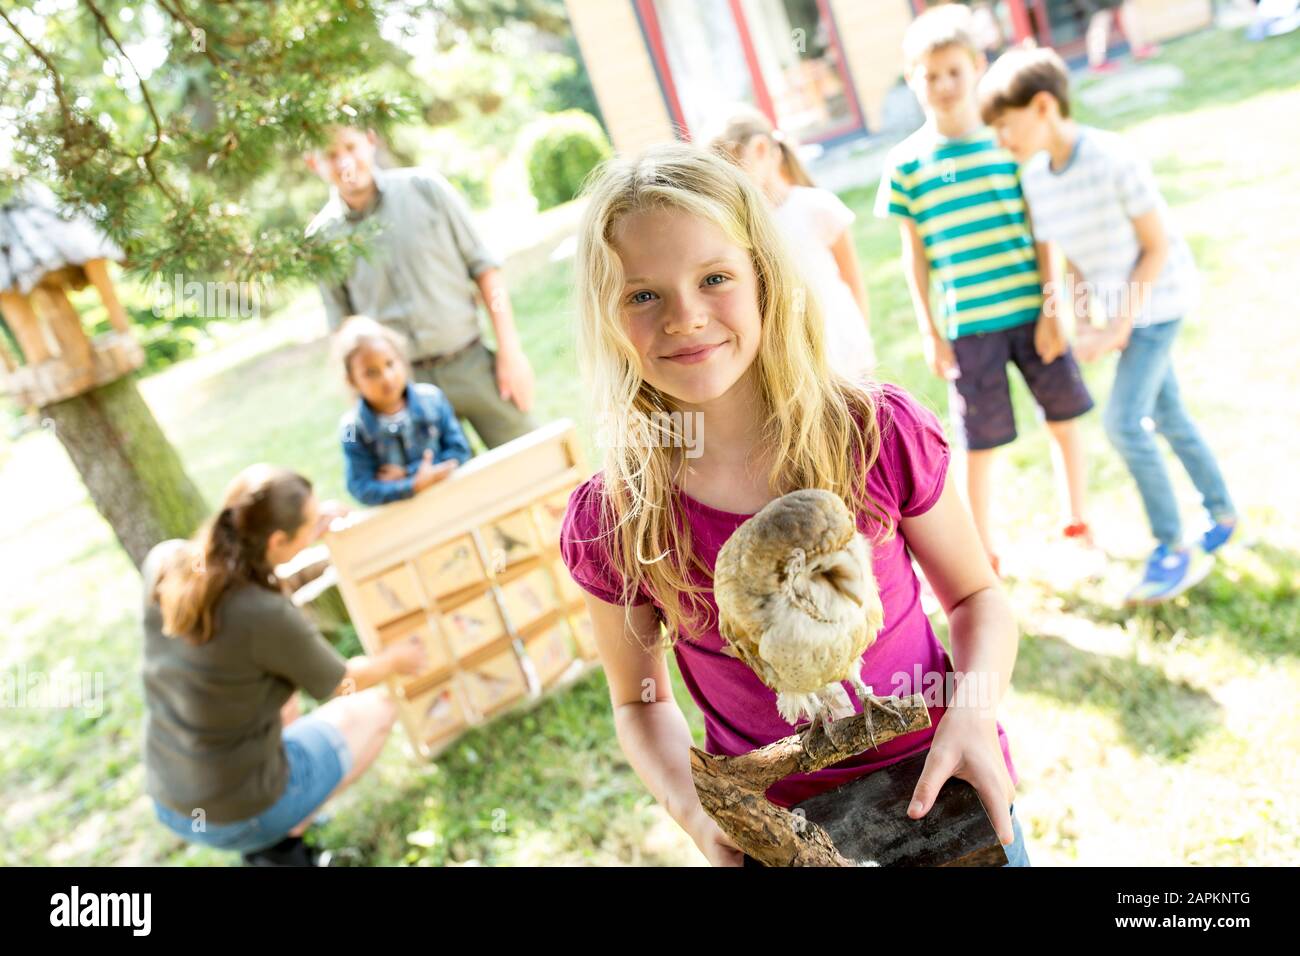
(798, 602)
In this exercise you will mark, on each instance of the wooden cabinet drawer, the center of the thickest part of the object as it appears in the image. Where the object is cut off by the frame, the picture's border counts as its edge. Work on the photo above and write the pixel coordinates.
(550, 651)
(439, 711)
(438, 657)
(473, 625)
(510, 540)
(451, 567)
(529, 597)
(550, 517)
(390, 595)
(495, 683)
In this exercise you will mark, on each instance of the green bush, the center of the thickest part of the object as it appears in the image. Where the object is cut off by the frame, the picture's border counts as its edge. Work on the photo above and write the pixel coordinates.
(472, 185)
(559, 151)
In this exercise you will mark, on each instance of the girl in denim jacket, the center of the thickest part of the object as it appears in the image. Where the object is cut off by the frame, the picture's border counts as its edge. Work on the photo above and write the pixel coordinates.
(403, 436)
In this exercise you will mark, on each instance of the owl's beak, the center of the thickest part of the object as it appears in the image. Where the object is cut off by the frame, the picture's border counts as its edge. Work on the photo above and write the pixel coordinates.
(842, 574)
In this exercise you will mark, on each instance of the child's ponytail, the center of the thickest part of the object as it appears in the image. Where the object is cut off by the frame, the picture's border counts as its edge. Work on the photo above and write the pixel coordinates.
(795, 172)
(229, 549)
(743, 125)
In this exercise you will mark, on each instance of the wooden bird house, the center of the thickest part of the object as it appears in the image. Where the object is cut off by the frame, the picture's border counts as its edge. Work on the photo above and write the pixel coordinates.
(472, 567)
(58, 360)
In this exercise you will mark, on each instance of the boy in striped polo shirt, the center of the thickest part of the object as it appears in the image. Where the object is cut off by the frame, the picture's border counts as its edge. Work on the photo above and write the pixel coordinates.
(1091, 195)
(963, 219)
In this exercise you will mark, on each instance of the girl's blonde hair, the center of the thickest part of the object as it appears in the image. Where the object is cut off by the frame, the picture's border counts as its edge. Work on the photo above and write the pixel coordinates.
(743, 125)
(358, 331)
(822, 429)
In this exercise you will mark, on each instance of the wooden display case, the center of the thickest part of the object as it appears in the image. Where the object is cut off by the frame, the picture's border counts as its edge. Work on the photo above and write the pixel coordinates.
(472, 566)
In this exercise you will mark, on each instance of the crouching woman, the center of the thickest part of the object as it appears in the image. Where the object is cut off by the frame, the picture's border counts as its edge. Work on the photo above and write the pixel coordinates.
(227, 764)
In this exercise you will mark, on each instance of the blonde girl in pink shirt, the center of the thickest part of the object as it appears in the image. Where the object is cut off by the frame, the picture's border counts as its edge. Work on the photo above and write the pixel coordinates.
(689, 304)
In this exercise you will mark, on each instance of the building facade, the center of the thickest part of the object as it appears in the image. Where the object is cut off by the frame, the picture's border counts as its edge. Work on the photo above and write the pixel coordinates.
(819, 69)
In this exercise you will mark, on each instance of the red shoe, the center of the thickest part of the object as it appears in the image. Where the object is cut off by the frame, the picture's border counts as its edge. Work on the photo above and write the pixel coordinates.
(1079, 530)
(1146, 52)
(1110, 66)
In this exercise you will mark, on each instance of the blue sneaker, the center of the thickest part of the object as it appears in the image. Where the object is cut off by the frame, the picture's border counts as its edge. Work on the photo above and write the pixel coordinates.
(1169, 573)
(1218, 535)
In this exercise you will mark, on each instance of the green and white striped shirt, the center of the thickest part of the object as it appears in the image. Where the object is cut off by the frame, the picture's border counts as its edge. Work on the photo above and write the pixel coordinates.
(964, 197)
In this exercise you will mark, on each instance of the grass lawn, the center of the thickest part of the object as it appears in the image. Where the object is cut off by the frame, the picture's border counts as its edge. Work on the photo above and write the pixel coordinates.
(1164, 736)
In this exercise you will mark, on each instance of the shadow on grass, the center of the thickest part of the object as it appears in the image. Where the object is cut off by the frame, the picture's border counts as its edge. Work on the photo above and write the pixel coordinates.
(1157, 715)
(555, 770)
(1220, 68)
(1251, 600)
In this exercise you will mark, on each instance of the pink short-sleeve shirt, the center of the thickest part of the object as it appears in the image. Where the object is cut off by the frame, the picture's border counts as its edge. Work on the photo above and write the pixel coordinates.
(739, 710)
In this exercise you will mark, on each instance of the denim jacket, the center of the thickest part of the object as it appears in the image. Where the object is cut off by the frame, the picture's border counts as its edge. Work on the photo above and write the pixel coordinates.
(431, 424)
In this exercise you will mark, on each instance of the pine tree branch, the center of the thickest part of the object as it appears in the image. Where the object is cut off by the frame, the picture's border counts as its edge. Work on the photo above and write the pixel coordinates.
(146, 157)
(49, 66)
(144, 88)
(179, 14)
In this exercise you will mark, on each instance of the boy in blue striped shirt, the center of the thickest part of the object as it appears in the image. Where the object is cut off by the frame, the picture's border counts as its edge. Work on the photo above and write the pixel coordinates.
(1092, 196)
(964, 223)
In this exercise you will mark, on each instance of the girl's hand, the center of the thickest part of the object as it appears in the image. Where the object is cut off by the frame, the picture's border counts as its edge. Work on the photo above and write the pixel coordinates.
(430, 474)
(327, 513)
(716, 846)
(965, 746)
(408, 656)
(390, 472)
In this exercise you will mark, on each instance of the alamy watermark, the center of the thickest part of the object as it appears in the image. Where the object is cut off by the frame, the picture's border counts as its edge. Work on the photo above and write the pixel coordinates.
(21, 689)
(952, 689)
(948, 689)
(657, 430)
(1109, 298)
(75, 908)
(190, 297)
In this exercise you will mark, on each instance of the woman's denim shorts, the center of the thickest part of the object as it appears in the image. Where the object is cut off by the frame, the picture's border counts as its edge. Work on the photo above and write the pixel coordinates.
(318, 759)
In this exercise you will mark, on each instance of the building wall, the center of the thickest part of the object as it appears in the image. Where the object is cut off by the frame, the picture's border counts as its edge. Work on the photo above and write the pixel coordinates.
(1163, 19)
(871, 34)
(870, 31)
(621, 72)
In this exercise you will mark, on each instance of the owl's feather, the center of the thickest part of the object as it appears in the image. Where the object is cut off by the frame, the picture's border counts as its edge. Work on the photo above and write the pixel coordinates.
(797, 599)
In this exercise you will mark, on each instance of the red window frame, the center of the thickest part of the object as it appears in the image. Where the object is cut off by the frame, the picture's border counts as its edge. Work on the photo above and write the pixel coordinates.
(649, 18)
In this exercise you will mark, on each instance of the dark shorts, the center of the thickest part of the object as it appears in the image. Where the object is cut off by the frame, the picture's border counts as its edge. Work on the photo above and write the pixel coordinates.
(980, 400)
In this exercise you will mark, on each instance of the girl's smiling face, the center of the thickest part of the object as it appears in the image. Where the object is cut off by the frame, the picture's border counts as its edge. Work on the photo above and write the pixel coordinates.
(689, 303)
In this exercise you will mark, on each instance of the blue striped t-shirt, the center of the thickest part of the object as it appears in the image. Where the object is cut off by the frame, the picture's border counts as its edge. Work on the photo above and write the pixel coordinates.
(964, 197)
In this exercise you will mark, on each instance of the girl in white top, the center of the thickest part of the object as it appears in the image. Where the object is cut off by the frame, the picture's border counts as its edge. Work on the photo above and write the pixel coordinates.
(816, 227)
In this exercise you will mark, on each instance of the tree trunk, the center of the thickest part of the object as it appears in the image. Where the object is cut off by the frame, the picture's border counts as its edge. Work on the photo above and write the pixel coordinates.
(133, 473)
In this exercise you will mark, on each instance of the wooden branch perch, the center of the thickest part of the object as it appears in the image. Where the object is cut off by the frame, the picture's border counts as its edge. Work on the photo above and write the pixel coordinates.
(732, 789)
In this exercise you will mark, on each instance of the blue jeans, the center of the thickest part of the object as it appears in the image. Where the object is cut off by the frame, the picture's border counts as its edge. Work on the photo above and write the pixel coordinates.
(1145, 387)
(1017, 855)
(318, 758)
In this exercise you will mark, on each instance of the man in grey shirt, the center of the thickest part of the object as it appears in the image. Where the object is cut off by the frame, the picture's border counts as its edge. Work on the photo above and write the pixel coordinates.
(420, 279)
